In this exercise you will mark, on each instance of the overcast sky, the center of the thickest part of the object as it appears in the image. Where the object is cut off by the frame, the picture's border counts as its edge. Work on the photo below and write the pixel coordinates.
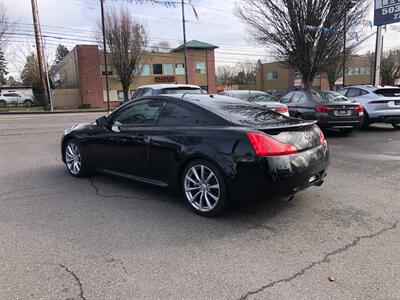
(74, 22)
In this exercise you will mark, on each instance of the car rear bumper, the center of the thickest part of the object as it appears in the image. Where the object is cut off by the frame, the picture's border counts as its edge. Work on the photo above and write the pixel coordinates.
(385, 116)
(327, 121)
(280, 176)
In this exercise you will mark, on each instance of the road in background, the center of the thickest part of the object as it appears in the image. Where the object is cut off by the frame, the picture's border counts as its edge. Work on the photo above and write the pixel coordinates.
(108, 238)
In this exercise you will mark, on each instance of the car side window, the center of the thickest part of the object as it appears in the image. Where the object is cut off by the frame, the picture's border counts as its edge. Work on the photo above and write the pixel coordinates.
(177, 115)
(353, 92)
(287, 98)
(343, 92)
(144, 112)
(363, 92)
(137, 94)
(147, 92)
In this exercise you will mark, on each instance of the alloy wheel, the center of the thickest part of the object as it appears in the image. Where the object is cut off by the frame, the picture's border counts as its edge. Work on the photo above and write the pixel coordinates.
(202, 188)
(73, 158)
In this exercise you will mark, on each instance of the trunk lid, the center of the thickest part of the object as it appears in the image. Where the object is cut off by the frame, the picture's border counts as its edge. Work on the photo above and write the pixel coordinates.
(303, 136)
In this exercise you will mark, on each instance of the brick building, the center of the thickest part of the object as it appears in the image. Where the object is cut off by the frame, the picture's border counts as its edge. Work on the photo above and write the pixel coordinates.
(81, 74)
(278, 76)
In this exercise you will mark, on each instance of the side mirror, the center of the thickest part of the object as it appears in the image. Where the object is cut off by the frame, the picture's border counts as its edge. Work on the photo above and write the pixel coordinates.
(102, 121)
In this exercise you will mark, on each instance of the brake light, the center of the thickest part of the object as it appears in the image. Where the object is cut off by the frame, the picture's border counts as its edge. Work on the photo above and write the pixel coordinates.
(323, 109)
(322, 138)
(378, 102)
(282, 109)
(359, 109)
(264, 145)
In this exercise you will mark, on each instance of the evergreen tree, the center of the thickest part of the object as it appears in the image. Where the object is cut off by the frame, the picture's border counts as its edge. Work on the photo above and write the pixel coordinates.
(3, 68)
(61, 52)
(30, 75)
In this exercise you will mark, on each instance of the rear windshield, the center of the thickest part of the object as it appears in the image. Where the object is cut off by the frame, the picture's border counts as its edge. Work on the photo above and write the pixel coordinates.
(182, 90)
(251, 115)
(262, 98)
(393, 92)
(327, 97)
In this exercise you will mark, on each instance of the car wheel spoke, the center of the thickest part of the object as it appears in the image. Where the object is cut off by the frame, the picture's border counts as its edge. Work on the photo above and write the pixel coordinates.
(207, 201)
(202, 188)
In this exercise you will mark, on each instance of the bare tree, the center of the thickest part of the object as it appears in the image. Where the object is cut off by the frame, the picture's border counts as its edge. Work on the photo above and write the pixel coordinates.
(126, 40)
(305, 33)
(4, 24)
(226, 74)
(162, 46)
(246, 73)
(390, 67)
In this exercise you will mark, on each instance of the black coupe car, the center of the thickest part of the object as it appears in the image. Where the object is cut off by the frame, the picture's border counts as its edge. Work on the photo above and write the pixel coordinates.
(330, 109)
(212, 148)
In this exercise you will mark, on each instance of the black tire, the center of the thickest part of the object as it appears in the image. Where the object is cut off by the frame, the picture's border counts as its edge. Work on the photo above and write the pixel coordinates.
(83, 169)
(3, 103)
(366, 121)
(396, 125)
(346, 131)
(219, 205)
(28, 103)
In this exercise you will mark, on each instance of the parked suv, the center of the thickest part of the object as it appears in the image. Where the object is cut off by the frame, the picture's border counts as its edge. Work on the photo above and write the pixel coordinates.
(381, 104)
(15, 98)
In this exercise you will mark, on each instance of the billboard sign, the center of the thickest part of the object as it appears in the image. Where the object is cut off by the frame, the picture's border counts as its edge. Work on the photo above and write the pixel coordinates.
(386, 12)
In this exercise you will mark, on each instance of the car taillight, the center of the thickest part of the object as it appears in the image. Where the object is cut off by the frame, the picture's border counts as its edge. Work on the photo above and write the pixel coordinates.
(264, 145)
(282, 109)
(322, 138)
(359, 109)
(323, 109)
(378, 102)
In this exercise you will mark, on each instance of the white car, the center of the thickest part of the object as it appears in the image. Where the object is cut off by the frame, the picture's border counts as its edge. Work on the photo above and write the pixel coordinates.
(15, 98)
(381, 103)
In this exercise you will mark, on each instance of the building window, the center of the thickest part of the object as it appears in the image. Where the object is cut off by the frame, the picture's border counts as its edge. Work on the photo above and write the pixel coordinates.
(109, 70)
(272, 75)
(168, 69)
(180, 69)
(200, 68)
(145, 70)
(356, 71)
(157, 69)
(297, 75)
(120, 94)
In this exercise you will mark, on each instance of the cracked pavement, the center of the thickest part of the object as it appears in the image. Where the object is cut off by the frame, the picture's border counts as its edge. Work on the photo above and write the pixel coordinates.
(109, 238)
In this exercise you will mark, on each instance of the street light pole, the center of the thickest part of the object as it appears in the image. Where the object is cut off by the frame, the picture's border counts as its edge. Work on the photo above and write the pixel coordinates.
(105, 54)
(184, 41)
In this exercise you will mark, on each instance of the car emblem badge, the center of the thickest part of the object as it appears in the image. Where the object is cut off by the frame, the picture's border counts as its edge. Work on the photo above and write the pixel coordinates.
(307, 135)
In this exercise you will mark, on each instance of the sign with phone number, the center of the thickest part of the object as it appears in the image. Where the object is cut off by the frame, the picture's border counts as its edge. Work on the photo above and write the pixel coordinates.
(386, 12)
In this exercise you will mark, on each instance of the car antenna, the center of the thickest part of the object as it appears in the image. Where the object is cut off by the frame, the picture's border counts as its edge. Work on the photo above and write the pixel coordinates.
(184, 94)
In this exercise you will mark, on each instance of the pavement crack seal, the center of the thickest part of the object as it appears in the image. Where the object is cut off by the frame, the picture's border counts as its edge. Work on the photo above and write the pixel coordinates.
(76, 279)
(324, 260)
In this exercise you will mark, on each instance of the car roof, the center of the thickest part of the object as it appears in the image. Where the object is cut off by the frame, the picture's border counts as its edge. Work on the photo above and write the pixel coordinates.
(369, 87)
(243, 91)
(169, 85)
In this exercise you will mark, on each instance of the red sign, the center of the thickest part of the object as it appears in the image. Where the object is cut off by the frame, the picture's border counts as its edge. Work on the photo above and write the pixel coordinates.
(169, 78)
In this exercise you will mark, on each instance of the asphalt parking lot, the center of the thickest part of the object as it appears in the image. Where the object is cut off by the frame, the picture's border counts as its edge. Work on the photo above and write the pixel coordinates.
(107, 238)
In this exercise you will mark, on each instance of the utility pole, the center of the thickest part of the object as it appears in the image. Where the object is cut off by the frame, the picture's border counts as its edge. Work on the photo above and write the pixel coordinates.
(378, 55)
(105, 54)
(344, 48)
(184, 41)
(39, 49)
